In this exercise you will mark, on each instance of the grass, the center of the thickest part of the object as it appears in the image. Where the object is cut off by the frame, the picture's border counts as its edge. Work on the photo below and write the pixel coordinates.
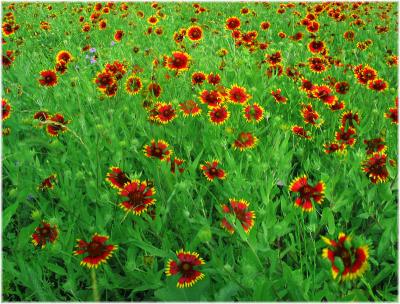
(280, 259)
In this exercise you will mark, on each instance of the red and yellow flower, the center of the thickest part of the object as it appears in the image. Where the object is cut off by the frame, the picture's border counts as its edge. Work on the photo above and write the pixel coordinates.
(238, 95)
(238, 208)
(138, 196)
(49, 78)
(245, 141)
(219, 115)
(178, 62)
(253, 113)
(300, 131)
(348, 261)
(165, 112)
(187, 265)
(6, 109)
(44, 233)
(157, 149)
(58, 124)
(117, 178)
(345, 136)
(375, 167)
(65, 56)
(194, 33)
(190, 107)
(133, 85)
(307, 193)
(211, 98)
(97, 251)
(211, 170)
(232, 23)
(48, 182)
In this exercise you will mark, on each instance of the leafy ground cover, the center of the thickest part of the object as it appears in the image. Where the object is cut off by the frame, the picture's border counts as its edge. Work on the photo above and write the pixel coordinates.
(210, 151)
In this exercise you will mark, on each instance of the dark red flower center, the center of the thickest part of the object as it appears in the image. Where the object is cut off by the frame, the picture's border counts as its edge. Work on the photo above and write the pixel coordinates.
(213, 171)
(95, 249)
(156, 152)
(186, 267)
(136, 198)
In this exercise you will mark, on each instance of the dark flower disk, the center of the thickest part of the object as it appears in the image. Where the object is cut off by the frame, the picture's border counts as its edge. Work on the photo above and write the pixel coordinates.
(260, 137)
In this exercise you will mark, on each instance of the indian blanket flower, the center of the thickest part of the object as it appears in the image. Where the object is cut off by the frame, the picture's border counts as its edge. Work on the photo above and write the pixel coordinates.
(178, 62)
(104, 79)
(342, 87)
(133, 85)
(253, 113)
(375, 167)
(278, 97)
(334, 147)
(190, 107)
(348, 260)
(393, 113)
(117, 178)
(157, 149)
(239, 209)
(232, 23)
(165, 112)
(48, 182)
(138, 196)
(6, 109)
(346, 136)
(64, 55)
(300, 131)
(186, 266)
(316, 46)
(211, 170)
(57, 124)
(378, 85)
(44, 233)
(310, 116)
(194, 33)
(211, 98)
(274, 59)
(238, 95)
(176, 163)
(198, 78)
(350, 118)
(98, 252)
(219, 115)
(245, 141)
(375, 145)
(307, 193)
(213, 79)
(49, 78)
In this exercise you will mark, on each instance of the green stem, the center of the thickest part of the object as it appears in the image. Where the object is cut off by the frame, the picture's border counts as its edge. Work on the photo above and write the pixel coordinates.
(96, 296)
(255, 254)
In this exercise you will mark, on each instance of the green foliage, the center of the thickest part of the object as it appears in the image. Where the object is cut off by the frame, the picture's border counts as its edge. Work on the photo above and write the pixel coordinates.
(280, 259)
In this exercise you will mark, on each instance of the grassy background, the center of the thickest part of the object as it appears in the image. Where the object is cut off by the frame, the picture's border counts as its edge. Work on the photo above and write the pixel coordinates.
(281, 258)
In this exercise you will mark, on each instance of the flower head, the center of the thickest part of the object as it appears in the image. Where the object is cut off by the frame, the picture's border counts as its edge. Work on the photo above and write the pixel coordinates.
(211, 170)
(49, 78)
(187, 265)
(238, 208)
(139, 196)
(117, 178)
(178, 62)
(348, 261)
(194, 33)
(6, 109)
(44, 233)
(307, 193)
(219, 115)
(375, 167)
(253, 113)
(190, 107)
(157, 149)
(133, 85)
(245, 141)
(58, 124)
(97, 251)
(238, 95)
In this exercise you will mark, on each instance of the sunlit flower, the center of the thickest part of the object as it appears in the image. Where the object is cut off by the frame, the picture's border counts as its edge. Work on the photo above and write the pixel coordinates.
(133, 85)
(187, 265)
(117, 178)
(158, 150)
(219, 115)
(245, 141)
(253, 112)
(348, 261)
(190, 107)
(238, 208)
(49, 78)
(6, 109)
(139, 196)
(194, 33)
(179, 61)
(238, 95)
(307, 193)
(375, 167)
(211, 170)
(97, 251)
(44, 233)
